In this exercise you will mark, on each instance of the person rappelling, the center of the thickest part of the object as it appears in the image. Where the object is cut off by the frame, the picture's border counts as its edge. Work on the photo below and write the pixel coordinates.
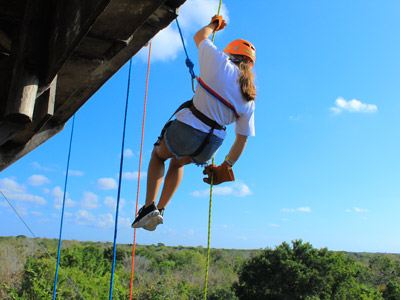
(225, 94)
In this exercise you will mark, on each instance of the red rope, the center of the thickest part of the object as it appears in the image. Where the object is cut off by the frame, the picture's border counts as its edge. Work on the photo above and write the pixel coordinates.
(139, 172)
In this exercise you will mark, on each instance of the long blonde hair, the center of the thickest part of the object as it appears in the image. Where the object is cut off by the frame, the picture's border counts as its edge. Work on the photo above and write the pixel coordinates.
(246, 78)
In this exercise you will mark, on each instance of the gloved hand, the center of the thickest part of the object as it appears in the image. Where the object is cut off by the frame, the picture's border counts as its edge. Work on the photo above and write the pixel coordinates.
(221, 173)
(219, 22)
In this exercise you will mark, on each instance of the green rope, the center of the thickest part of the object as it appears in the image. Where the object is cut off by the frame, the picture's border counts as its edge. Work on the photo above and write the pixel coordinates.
(210, 205)
(208, 236)
(219, 11)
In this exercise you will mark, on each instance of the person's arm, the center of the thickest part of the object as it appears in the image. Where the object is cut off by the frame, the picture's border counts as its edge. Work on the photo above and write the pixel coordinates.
(236, 149)
(204, 33)
(224, 172)
(217, 23)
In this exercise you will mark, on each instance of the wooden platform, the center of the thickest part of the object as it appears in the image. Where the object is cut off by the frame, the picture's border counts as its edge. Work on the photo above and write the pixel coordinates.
(55, 54)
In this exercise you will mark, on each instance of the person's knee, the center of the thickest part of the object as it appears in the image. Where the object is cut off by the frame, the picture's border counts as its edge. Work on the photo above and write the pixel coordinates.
(155, 154)
(181, 161)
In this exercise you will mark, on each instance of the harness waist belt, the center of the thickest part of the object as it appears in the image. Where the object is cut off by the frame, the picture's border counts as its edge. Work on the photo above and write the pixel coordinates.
(203, 118)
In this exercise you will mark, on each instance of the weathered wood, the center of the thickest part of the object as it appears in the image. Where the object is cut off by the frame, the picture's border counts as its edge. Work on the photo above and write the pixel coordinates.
(10, 152)
(20, 108)
(5, 42)
(44, 108)
(8, 130)
(82, 42)
(71, 20)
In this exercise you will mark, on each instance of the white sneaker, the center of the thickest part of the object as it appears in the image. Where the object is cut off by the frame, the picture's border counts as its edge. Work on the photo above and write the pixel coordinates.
(153, 222)
(145, 214)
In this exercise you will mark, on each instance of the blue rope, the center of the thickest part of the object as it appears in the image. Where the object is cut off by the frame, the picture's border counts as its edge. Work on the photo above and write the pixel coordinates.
(119, 186)
(188, 61)
(62, 213)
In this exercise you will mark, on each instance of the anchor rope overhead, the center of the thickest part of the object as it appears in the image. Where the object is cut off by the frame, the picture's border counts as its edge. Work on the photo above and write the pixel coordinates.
(110, 294)
(62, 212)
(139, 171)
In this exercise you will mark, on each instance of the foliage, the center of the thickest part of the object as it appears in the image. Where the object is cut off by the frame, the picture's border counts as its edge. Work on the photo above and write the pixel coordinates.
(299, 271)
(290, 271)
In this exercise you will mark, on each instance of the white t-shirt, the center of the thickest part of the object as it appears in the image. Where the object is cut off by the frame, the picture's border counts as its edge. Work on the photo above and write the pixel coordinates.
(221, 74)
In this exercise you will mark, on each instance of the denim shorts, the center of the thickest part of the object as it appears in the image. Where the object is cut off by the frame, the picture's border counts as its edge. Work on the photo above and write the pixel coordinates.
(183, 140)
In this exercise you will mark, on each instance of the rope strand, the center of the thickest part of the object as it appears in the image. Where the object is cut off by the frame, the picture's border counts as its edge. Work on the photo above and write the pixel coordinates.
(210, 207)
(139, 172)
(70, 281)
(110, 295)
(62, 212)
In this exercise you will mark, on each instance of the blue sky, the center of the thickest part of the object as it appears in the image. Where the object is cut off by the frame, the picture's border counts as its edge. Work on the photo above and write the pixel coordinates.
(324, 165)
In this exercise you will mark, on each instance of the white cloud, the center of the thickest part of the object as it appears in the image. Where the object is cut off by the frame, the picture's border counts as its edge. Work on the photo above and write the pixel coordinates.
(57, 192)
(124, 222)
(37, 180)
(192, 16)
(165, 46)
(357, 210)
(111, 202)
(83, 217)
(15, 191)
(27, 198)
(105, 221)
(303, 209)
(236, 189)
(39, 167)
(90, 200)
(58, 195)
(22, 210)
(133, 175)
(353, 106)
(128, 153)
(11, 185)
(76, 173)
(106, 183)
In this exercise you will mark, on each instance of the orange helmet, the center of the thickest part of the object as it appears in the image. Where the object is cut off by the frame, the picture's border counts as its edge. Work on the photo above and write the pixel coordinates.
(241, 47)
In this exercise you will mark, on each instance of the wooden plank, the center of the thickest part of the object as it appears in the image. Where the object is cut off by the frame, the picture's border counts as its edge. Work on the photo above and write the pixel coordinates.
(70, 22)
(20, 106)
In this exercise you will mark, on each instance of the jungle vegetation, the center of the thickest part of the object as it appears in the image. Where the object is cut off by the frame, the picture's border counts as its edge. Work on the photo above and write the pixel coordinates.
(293, 270)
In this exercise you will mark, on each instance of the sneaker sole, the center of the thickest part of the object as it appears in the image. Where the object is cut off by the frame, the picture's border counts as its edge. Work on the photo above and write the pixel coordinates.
(153, 223)
(145, 219)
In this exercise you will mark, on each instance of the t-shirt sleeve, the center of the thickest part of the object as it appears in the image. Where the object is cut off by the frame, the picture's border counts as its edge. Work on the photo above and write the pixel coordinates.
(245, 124)
(210, 58)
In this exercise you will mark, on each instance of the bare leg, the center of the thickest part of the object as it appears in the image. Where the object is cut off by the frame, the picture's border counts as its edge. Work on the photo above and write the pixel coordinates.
(155, 172)
(172, 180)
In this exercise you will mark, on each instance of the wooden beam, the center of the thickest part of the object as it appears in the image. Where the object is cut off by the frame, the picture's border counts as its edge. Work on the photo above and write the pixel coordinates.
(44, 108)
(5, 42)
(21, 104)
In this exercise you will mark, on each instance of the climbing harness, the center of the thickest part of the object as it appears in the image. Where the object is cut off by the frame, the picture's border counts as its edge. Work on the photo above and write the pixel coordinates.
(202, 117)
(217, 96)
(190, 105)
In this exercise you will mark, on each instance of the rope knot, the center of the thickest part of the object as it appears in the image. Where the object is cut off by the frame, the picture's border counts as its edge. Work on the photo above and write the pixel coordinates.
(190, 66)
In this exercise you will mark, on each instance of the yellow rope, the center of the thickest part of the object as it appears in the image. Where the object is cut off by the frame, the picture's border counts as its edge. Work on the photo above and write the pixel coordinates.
(210, 206)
